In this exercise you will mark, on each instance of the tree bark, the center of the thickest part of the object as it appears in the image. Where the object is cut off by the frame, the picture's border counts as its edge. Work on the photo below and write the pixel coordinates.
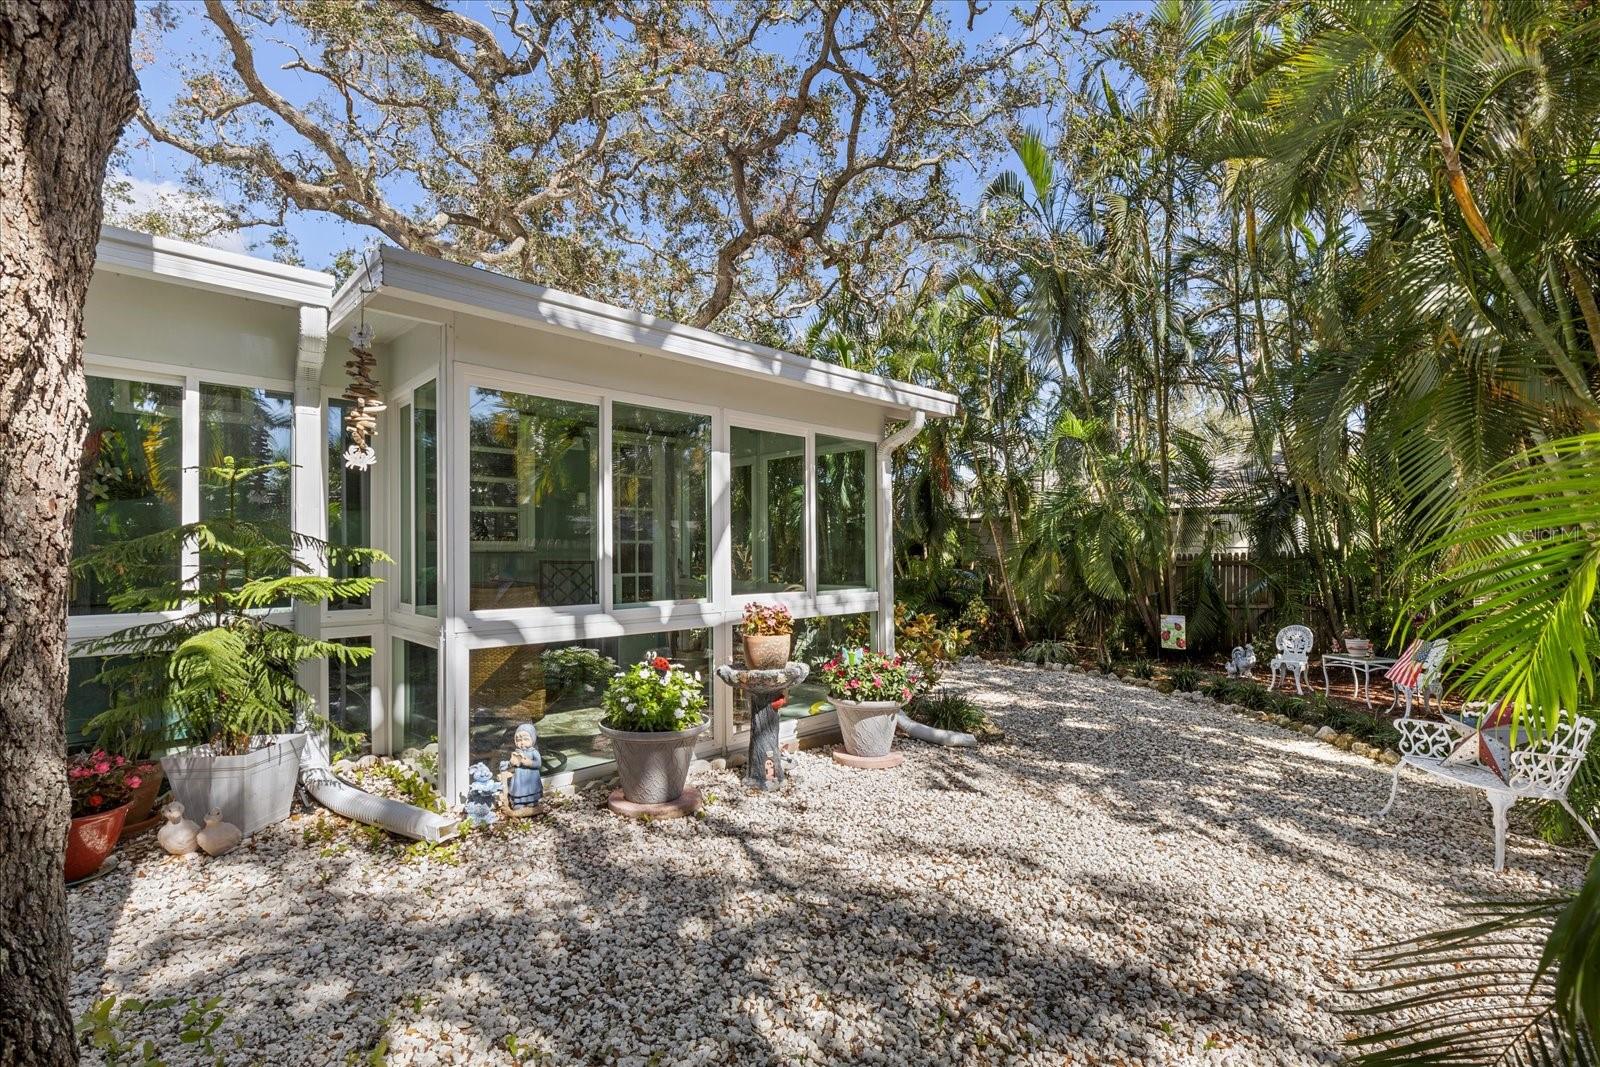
(66, 88)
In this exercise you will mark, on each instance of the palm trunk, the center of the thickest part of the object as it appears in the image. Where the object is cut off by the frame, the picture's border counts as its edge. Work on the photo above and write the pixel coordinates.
(66, 89)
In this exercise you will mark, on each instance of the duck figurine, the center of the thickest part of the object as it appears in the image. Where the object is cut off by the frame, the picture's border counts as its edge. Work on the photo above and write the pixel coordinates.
(178, 836)
(218, 837)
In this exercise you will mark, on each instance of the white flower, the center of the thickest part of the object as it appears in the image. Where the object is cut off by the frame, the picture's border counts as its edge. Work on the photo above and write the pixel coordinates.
(678, 714)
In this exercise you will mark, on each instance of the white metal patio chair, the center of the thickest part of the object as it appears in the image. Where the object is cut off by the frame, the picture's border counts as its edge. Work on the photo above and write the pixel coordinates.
(1294, 655)
(1542, 769)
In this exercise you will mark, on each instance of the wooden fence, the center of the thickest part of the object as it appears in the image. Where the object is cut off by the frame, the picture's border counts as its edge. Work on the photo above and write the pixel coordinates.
(1249, 609)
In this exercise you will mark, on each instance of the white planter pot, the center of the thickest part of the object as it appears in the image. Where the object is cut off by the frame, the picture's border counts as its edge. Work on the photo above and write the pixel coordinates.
(653, 764)
(252, 790)
(867, 726)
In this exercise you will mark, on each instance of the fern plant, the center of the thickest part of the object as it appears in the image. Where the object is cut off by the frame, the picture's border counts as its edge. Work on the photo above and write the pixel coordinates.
(224, 669)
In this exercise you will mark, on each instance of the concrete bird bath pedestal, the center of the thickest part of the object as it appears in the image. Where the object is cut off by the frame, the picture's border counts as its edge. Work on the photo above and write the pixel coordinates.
(764, 770)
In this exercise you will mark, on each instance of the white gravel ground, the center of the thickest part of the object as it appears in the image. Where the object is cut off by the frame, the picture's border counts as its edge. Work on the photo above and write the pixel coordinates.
(1129, 879)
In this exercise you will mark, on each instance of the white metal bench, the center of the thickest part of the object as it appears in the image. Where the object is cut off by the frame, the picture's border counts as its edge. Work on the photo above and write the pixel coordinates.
(1538, 770)
(1294, 655)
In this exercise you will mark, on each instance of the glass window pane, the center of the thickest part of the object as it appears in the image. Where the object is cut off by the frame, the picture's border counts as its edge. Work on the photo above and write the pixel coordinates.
(558, 688)
(425, 427)
(255, 427)
(535, 530)
(846, 513)
(769, 499)
(408, 553)
(350, 694)
(132, 457)
(661, 493)
(85, 698)
(349, 505)
(416, 705)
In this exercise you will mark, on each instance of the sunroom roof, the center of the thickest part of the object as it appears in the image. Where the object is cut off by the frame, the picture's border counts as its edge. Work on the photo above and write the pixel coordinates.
(437, 283)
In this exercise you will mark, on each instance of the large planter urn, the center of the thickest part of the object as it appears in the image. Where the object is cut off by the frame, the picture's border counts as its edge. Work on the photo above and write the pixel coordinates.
(250, 791)
(867, 726)
(767, 652)
(90, 840)
(653, 764)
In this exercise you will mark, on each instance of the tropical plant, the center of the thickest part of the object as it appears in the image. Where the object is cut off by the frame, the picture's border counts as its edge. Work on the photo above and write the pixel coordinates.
(654, 695)
(1514, 985)
(1185, 678)
(930, 647)
(226, 670)
(946, 709)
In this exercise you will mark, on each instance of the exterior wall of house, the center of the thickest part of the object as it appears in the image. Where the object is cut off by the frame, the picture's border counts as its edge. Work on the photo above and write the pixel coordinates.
(502, 579)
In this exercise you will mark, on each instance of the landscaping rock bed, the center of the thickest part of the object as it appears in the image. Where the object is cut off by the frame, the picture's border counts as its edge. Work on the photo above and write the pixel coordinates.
(1129, 878)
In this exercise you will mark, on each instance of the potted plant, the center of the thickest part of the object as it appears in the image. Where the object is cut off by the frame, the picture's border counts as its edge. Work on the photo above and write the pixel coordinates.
(216, 688)
(768, 636)
(655, 711)
(868, 689)
(102, 788)
(1356, 645)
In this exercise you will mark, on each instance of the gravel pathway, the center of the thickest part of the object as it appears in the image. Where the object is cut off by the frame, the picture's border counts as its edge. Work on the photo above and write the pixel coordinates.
(1130, 878)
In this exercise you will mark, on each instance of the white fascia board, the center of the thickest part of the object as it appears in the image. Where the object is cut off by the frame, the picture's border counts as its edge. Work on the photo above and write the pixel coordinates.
(436, 282)
(143, 255)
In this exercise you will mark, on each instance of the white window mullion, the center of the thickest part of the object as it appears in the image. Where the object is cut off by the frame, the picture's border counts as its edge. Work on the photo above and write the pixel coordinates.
(811, 514)
(607, 511)
(190, 480)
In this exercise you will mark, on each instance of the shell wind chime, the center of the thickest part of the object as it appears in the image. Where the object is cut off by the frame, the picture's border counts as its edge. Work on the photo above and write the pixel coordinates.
(362, 394)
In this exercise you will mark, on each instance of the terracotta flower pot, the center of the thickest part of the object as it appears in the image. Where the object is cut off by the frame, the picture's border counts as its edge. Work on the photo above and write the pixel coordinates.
(867, 725)
(767, 652)
(143, 800)
(91, 839)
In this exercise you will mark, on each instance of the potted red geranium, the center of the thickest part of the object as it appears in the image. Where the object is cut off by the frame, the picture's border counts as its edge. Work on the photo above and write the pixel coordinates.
(102, 787)
(868, 689)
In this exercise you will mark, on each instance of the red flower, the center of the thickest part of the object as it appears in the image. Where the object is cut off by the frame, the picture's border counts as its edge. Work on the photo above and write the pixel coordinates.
(780, 702)
(660, 663)
(95, 800)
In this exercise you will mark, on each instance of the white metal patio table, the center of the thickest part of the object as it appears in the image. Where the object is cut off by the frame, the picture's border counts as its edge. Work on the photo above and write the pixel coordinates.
(1361, 668)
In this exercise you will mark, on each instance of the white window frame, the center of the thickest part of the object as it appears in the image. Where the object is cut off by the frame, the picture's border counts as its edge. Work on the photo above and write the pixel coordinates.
(377, 486)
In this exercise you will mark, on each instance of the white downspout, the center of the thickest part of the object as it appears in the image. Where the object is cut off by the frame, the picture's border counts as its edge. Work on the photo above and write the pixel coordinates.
(886, 450)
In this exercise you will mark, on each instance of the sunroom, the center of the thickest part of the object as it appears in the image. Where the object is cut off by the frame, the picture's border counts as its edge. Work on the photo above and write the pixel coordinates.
(563, 485)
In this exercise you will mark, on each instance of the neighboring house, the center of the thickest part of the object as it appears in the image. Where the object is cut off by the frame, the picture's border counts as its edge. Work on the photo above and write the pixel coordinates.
(554, 474)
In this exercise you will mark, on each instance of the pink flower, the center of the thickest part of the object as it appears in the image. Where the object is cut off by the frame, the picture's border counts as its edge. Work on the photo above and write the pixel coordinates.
(102, 768)
(877, 680)
(134, 781)
(121, 760)
(905, 694)
(855, 683)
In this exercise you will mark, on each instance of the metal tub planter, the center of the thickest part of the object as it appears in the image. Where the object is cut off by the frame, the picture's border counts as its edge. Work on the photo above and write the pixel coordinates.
(252, 790)
(653, 765)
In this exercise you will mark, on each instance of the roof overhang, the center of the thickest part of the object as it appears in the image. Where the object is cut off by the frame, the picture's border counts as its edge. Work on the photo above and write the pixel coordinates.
(142, 255)
(453, 287)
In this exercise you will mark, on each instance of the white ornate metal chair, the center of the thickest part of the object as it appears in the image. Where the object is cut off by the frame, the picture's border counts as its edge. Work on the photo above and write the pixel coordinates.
(1294, 655)
(1541, 769)
(1425, 683)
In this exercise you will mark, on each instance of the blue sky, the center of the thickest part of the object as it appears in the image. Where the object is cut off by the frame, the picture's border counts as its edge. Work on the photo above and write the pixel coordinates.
(154, 169)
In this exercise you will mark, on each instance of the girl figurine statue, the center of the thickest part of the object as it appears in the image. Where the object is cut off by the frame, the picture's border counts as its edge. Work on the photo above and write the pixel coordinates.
(524, 790)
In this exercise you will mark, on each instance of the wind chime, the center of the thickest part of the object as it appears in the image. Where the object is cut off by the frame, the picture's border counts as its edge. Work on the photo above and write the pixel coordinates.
(362, 394)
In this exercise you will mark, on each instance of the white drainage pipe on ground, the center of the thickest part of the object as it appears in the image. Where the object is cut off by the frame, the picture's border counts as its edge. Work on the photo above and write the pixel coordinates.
(933, 735)
(341, 798)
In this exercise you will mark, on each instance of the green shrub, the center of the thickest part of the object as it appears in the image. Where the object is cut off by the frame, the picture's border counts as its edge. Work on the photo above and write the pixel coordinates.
(1042, 652)
(945, 709)
(1142, 668)
(1185, 678)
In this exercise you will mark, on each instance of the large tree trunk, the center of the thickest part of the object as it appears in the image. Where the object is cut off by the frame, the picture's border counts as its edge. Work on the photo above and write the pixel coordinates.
(66, 89)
